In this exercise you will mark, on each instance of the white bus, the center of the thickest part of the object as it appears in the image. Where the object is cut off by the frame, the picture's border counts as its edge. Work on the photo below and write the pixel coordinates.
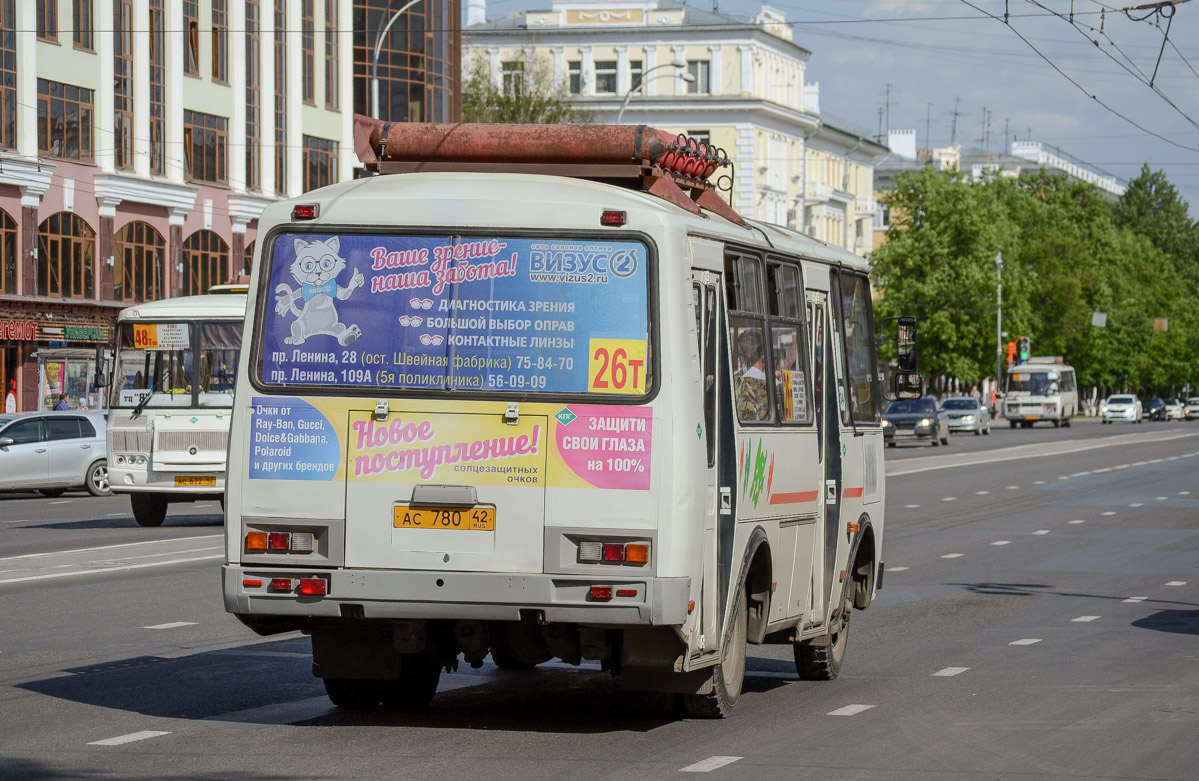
(538, 416)
(1041, 388)
(171, 400)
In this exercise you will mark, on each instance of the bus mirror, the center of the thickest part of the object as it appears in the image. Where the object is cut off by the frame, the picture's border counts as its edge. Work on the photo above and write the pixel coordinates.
(905, 345)
(907, 385)
(99, 380)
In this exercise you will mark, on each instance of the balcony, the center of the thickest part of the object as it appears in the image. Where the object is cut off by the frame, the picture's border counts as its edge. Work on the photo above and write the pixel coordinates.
(818, 192)
(865, 206)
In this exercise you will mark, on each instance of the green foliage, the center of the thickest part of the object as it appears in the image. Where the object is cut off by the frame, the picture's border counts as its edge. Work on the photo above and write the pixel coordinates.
(1067, 253)
(532, 98)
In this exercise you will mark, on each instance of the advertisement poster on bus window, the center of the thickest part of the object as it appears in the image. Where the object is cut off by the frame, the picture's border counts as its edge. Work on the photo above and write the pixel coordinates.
(481, 314)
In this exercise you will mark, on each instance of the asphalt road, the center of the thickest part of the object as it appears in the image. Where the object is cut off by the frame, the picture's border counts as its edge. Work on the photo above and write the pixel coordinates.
(1039, 618)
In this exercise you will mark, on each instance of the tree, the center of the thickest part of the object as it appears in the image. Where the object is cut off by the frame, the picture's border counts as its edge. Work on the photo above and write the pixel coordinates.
(522, 97)
(1152, 207)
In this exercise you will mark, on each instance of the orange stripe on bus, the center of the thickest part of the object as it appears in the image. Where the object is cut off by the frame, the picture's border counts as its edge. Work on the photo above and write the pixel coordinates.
(853, 493)
(796, 498)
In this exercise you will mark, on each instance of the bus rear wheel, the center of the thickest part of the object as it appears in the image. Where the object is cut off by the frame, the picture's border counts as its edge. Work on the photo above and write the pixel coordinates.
(727, 677)
(419, 674)
(148, 509)
(823, 662)
(353, 694)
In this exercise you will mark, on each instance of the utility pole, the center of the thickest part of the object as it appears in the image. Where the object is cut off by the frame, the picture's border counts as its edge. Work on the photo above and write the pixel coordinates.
(953, 129)
(928, 118)
(888, 108)
(880, 137)
(1006, 144)
(985, 139)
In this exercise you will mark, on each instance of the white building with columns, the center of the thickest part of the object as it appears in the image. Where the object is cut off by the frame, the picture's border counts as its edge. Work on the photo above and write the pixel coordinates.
(737, 84)
(139, 142)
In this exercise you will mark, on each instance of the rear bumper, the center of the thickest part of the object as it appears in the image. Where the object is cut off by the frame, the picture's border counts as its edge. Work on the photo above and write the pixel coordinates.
(406, 595)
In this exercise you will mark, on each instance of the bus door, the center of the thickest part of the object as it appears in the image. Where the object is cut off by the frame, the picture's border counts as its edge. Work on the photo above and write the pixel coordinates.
(829, 436)
(718, 508)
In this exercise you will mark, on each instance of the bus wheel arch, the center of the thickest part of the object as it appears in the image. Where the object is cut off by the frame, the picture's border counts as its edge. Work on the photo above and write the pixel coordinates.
(756, 581)
(864, 565)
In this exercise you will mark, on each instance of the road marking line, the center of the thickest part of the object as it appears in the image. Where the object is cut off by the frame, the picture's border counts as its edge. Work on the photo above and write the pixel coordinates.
(981, 493)
(110, 547)
(1159, 498)
(1103, 470)
(1002, 542)
(1064, 477)
(949, 498)
(1042, 482)
(897, 569)
(1177, 583)
(62, 501)
(26, 520)
(1173, 458)
(109, 569)
(1084, 619)
(1155, 460)
(1139, 463)
(910, 506)
(1041, 531)
(950, 671)
(172, 625)
(1121, 466)
(849, 710)
(953, 555)
(1184, 493)
(1026, 641)
(1135, 504)
(709, 764)
(130, 738)
(1077, 521)
(1110, 512)
(1080, 474)
(1013, 488)
(1136, 599)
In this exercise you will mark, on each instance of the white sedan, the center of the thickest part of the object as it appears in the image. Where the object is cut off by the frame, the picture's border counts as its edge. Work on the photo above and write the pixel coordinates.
(1121, 407)
(1174, 410)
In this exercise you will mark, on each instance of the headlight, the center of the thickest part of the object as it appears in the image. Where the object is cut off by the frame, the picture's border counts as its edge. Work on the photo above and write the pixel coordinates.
(925, 422)
(968, 419)
(886, 423)
(1104, 408)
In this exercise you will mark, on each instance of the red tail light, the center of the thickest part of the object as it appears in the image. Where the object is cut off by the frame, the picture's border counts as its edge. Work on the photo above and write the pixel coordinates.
(281, 584)
(601, 592)
(314, 587)
(305, 211)
(278, 541)
(613, 551)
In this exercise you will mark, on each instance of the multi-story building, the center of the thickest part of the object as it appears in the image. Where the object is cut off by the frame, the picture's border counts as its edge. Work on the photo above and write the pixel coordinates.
(736, 85)
(139, 142)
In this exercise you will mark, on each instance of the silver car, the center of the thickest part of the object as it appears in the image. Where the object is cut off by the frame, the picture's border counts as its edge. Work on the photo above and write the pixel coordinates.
(967, 413)
(1122, 407)
(52, 452)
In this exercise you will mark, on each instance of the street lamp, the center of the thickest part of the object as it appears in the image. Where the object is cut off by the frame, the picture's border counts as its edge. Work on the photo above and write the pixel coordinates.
(375, 59)
(676, 64)
(998, 318)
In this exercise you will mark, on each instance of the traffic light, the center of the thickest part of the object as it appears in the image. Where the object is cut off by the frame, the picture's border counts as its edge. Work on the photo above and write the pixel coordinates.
(1024, 349)
(1011, 352)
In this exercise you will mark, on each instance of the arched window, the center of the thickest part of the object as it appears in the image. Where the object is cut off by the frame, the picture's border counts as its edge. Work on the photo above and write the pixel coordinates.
(138, 259)
(249, 260)
(66, 249)
(204, 262)
(8, 253)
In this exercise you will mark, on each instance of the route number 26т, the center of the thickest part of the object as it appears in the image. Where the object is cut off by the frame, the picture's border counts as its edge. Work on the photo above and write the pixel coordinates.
(616, 366)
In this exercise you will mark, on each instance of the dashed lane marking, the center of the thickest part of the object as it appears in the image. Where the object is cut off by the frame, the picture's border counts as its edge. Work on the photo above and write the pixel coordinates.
(850, 710)
(1041, 531)
(1080, 474)
(897, 569)
(1159, 498)
(911, 506)
(981, 493)
(172, 625)
(1002, 542)
(949, 672)
(708, 765)
(1026, 641)
(130, 738)
(1136, 599)
(1013, 488)
(953, 555)
(1110, 512)
(1177, 583)
(1084, 619)
(62, 501)
(949, 498)
(1135, 504)
(1184, 493)
(1077, 521)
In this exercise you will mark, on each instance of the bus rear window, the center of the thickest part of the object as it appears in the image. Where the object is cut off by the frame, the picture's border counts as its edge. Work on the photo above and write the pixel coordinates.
(450, 313)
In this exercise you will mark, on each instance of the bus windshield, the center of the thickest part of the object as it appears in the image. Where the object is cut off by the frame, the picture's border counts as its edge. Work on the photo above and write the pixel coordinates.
(493, 313)
(1033, 383)
(179, 364)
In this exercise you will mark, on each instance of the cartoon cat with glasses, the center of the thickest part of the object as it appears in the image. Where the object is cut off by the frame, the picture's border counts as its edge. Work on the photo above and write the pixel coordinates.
(316, 267)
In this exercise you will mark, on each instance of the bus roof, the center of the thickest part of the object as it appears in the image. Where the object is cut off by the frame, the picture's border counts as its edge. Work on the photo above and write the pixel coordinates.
(222, 306)
(504, 201)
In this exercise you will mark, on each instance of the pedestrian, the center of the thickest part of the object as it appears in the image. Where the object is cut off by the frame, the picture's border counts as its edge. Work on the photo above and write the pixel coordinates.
(62, 405)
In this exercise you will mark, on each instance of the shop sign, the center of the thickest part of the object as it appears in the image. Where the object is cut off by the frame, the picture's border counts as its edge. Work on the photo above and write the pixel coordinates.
(21, 330)
(85, 332)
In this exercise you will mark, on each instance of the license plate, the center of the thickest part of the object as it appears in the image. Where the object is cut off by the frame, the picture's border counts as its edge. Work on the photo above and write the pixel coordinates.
(452, 518)
(194, 480)
(1030, 417)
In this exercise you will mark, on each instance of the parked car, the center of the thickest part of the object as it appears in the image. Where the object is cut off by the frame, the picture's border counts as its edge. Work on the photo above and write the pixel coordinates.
(1121, 407)
(52, 452)
(916, 419)
(1174, 410)
(1191, 410)
(1154, 409)
(967, 413)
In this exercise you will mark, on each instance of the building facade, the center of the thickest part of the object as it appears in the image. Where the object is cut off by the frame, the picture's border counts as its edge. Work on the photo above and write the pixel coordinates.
(139, 142)
(736, 85)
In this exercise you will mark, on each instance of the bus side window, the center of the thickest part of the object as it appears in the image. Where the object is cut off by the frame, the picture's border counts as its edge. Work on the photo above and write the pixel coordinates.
(705, 327)
(861, 378)
(788, 342)
(747, 338)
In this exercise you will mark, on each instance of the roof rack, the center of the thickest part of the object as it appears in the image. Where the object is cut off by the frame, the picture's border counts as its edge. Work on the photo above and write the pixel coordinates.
(672, 167)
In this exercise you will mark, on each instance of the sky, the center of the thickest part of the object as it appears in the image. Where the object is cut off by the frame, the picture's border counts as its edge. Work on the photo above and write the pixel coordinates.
(1109, 90)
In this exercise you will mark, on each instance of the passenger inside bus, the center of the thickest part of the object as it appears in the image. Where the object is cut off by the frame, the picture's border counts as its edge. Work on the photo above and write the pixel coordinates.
(752, 397)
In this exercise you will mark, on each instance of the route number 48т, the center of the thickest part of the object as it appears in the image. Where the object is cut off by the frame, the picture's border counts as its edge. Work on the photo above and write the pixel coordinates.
(616, 366)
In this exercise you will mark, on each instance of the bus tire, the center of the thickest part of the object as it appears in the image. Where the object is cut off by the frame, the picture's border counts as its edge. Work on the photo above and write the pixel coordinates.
(148, 509)
(1057, 424)
(419, 674)
(1013, 423)
(823, 662)
(353, 694)
(728, 676)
